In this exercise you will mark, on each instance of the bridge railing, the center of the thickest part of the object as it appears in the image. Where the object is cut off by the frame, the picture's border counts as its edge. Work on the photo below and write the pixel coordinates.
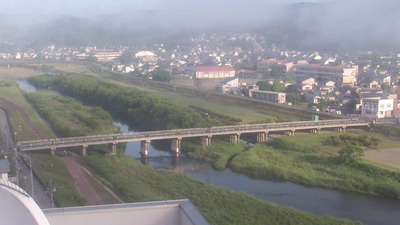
(232, 128)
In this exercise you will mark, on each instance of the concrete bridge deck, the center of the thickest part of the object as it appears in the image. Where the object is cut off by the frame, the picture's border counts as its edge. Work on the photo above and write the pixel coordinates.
(178, 134)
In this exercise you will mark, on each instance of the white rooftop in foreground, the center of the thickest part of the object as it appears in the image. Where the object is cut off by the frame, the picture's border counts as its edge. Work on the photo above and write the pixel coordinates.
(17, 207)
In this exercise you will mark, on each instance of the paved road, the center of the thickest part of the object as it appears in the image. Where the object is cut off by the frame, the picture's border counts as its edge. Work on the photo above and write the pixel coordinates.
(24, 174)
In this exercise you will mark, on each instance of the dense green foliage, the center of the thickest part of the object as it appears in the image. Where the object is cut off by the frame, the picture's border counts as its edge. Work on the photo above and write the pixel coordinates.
(275, 86)
(218, 205)
(219, 153)
(161, 75)
(351, 153)
(347, 139)
(144, 110)
(69, 117)
(281, 160)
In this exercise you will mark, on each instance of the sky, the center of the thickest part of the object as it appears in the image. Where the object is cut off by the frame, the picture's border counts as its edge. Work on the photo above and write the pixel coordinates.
(358, 21)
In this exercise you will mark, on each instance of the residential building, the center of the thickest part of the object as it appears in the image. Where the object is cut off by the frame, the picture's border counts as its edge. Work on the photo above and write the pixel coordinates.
(377, 108)
(107, 55)
(271, 96)
(339, 75)
(264, 66)
(201, 72)
(229, 84)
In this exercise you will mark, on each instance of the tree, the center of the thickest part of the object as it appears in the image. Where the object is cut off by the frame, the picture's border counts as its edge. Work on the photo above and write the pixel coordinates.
(351, 153)
(294, 98)
(161, 75)
(126, 58)
(386, 87)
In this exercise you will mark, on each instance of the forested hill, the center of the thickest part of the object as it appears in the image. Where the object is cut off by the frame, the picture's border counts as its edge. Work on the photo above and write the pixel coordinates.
(144, 110)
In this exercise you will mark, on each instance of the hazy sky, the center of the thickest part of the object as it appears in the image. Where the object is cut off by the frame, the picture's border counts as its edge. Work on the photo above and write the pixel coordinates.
(355, 21)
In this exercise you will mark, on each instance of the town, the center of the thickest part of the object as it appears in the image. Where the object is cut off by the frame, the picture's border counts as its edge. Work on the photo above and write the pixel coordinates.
(363, 84)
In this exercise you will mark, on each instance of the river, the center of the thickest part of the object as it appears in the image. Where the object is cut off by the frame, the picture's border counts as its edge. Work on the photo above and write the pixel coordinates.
(320, 201)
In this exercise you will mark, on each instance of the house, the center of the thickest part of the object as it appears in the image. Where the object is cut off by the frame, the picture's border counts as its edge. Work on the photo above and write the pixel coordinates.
(271, 96)
(264, 66)
(309, 81)
(377, 108)
(227, 85)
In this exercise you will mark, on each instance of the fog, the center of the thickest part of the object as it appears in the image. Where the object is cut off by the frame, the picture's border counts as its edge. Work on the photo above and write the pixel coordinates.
(339, 24)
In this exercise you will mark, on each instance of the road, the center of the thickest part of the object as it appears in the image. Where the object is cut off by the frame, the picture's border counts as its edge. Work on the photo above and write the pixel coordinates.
(24, 172)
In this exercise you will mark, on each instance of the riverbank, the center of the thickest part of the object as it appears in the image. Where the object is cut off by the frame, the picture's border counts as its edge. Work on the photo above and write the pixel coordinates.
(283, 159)
(218, 205)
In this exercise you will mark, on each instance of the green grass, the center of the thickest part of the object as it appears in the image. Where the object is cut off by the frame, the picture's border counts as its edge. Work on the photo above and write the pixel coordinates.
(69, 117)
(49, 167)
(20, 125)
(313, 168)
(315, 141)
(218, 205)
(219, 153)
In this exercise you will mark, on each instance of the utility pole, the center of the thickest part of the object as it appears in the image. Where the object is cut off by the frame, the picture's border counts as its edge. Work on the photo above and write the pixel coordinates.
(51, 189)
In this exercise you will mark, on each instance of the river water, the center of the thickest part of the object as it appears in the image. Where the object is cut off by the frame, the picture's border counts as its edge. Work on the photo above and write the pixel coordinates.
(320, 201)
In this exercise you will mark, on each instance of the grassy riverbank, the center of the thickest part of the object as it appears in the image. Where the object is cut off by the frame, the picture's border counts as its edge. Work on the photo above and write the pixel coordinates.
(219, 153)
(306, 166)
(68, 117)
(218, 205)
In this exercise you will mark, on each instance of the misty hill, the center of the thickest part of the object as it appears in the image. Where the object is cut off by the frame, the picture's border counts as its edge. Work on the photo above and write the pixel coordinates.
(336, 25)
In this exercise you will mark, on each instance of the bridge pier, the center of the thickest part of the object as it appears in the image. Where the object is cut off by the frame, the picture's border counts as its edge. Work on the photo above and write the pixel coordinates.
(340, 129)
(234, 138)
(290, 132)
(262, 137)
(144, 148)
(112, 148)
(316, 130)
(176, 146)
(52, 151)
(83, 150)
(206, 141)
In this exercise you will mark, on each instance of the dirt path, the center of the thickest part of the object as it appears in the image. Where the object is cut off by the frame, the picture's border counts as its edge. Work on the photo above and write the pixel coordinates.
(81, 179)
(389, 157)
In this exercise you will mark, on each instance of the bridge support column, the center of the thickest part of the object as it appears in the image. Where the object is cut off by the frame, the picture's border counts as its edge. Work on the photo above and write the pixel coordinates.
(316, 130)
(262, 137)
(113, 148)
(290, 132)
(52, 151)
(144, 148)
(234, 138)
(176, 145)
(83, 150)
(206, 141)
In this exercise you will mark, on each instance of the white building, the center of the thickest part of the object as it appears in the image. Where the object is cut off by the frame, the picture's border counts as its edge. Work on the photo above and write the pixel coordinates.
(17, 207)
(230, 84)
(271, 96)
(202, 72)
(377, 108)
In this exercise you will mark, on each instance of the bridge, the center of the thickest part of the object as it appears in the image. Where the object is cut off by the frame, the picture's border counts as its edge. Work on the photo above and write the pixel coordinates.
(261, 130)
